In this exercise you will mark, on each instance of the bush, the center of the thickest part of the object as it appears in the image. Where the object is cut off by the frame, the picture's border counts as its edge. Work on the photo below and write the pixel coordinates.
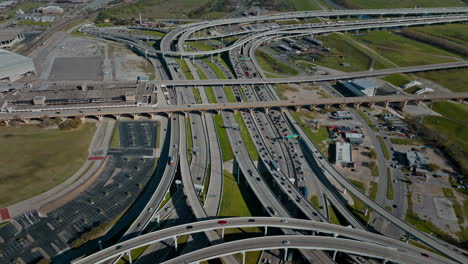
(71, 124)
(433, 167)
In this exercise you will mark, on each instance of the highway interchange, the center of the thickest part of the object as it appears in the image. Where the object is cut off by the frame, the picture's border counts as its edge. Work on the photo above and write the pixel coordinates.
(300, 162)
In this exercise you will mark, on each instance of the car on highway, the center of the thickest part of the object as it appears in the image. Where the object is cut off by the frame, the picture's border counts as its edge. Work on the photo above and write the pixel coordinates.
(284, 221)
(189, 227)
(286, 242)
(251, 220)
(222, 222)
(118, 247)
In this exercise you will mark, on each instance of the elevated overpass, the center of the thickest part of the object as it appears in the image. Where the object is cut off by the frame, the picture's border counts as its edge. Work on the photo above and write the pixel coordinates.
(288, 80)
(151, 110)
(372, 241)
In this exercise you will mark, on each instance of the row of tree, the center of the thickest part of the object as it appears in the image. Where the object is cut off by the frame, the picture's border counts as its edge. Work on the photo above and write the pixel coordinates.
(436, 41)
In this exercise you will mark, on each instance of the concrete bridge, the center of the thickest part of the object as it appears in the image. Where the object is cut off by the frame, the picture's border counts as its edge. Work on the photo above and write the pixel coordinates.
(150, 111)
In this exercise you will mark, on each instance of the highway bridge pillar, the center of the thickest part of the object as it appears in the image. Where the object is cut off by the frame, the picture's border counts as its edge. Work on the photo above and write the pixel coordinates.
(129, 254)
(243, 257)
(367, 211)
(387, 104)
(334, 255)
(285, 253)
(175, 242)
(344, 191)
(266, 230)
(222, 233)
(403, 105)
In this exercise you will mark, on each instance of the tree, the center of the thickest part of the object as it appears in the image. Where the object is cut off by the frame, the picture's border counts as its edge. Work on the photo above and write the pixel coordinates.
(433, 167)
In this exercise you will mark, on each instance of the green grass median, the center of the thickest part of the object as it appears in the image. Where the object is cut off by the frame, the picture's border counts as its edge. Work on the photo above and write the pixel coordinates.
(223, 138)
(246, 137)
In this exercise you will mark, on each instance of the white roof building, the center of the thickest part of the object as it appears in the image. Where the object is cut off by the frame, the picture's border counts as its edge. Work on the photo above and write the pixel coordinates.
(343, 153)
(13, 66)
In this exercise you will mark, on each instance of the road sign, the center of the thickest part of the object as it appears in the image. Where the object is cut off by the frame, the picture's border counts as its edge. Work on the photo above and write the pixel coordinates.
(292, 136)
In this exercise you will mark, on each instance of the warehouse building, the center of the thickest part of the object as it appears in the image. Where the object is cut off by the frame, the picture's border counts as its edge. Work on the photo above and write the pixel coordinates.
(416, 160)
(362, 87)
(10, 38)
(343, 154)
(14, 66)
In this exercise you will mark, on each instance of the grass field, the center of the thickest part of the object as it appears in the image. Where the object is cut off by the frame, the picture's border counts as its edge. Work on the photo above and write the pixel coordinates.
(389, 185)
(223, 138)
(200, 73)
(115, 141)
(151, 33)
(283, 88)
(455, 80)
(33, 23)
(185, 69)
(398, 79)
(400, 3)
(34, 160)
(374, 168)
(201, 45)
(453, 134)
(246, 137)
(373, 190)
(229, 94)
(454, 32)
(384, 147)
(403, 51)
(152, 9)
(238, 201)
(215, 69)
(210, 94)
(196, 95)
(451, 110)
(272, 65)
(357, 59)
(318, 137)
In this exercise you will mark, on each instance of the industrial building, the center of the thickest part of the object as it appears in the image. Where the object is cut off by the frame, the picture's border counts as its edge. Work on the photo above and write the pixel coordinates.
(343, 153)
(13, 66)
(341, 115)
(416, 160)
(10, 38)
(354, 138)
(362, 87)
(51, 10)
(392, 120)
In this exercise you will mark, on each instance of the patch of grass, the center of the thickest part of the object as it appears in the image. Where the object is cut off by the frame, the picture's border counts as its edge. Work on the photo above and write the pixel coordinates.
(135, 253)
(244, 98)
(185, 69)
(406, 141)
(448, 193)
(249, 144)
(318, 137)
(398, 79)
(206, 183)
(359, 209)
(454, 80)
(373, 191)
(361, 186)
(229, 94)
(451, 110)
(188, 129)
(333, 217)
(215, 69)
(26, 6)
(454, 32)
(454, 137)
(281, 89)
(403, 51)
(374, 168)
(272, 65)
(196, 95)
(389, 185)
(210, 94)
(115, 141)
(314, 200)
(226, 149)
(201, 45)
(200, 73)
(154, 9)
(34, 160)
(401, 3)
(33, 23)
(357, 60)
(150, 33)
(384, 147)
(367, 119)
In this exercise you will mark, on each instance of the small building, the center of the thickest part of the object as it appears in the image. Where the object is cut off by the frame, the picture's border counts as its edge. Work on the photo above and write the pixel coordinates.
(13, 66)
(392, 120)
(284, 47)
(51, 10)
(39, 100)
(38, 18)
(362, 87)
(130, 97)
(354, 138)
(341, 115)
(343, 153)
(416, 160)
